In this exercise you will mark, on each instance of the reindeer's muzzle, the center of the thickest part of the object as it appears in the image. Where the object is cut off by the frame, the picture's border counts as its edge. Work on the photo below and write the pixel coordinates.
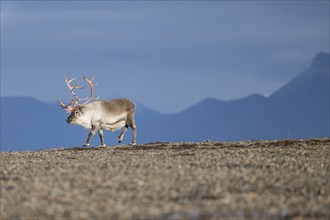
(69, 120)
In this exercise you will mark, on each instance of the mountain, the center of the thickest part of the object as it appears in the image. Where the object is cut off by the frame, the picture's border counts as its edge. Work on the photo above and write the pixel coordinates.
(300, 109)
(208, 119)
(27, 123)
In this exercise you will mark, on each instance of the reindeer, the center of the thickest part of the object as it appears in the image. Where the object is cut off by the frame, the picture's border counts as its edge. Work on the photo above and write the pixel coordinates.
(99, 115)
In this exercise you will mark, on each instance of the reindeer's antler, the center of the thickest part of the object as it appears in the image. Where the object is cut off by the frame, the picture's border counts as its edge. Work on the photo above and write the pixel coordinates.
(91, 85)
(75, 100)
(72, 88)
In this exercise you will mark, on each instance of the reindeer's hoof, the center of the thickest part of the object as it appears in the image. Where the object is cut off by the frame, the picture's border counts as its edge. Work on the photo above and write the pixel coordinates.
(119, 141)
(132, 144)
(85, 145)
(101, 146)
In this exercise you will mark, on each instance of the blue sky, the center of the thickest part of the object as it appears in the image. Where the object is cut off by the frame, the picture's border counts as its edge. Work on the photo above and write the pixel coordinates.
(166, 55)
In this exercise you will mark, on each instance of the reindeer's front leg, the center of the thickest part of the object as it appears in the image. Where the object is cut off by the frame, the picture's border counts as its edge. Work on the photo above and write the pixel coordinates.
(90, 135)
(101, 137)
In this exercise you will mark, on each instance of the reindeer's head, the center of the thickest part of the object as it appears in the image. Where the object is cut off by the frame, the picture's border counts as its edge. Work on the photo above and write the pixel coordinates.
(76, 115)
(74, 108)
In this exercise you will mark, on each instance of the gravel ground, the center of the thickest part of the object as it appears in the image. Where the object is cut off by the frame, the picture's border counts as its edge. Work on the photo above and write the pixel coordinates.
(209, 180)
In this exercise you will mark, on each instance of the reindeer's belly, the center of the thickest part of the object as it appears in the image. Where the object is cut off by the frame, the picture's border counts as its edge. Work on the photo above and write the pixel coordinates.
(111, 122)
(113, 126)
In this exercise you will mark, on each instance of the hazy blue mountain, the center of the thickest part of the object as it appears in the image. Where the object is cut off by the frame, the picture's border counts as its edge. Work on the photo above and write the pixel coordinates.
(300, 109)
(208, 119)
(30, 124)
(302, 106)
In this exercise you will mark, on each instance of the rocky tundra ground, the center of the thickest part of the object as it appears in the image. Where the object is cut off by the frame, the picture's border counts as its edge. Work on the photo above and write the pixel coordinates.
(210, 180)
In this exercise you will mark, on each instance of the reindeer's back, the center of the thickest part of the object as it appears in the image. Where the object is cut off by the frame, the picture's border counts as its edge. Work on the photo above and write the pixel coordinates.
(115, 105)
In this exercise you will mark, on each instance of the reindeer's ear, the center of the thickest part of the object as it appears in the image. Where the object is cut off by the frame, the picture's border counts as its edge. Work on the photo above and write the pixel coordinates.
(70, 109)
(80, 108)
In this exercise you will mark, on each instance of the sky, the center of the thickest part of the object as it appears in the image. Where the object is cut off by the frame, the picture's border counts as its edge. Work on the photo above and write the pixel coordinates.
(165, 55)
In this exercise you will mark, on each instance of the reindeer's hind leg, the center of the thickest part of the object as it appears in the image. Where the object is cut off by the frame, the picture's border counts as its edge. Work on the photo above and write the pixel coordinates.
(133, 126)
(129, 122)
(122, 133)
